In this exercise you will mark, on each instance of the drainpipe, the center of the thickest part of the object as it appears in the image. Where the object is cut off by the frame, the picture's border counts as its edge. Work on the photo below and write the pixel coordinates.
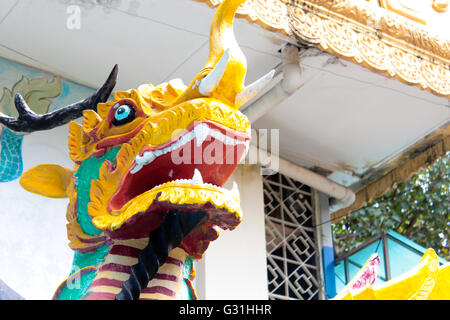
(342, 196)
(290, 83)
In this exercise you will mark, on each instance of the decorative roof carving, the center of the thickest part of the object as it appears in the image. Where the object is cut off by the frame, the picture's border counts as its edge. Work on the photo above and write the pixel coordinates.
(396, 38)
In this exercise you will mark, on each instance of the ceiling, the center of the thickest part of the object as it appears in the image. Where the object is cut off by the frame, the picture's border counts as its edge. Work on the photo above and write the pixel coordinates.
(346, 119)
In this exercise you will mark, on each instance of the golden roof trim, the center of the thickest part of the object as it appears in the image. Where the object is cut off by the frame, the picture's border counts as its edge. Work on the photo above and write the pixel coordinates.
(371, 36)
(401, 169)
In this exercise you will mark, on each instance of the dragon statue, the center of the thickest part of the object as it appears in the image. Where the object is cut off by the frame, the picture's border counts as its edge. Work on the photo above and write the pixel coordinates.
(145, 195)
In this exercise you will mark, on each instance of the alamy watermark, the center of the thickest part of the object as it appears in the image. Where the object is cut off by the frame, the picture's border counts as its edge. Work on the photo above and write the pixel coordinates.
(75, 8)
(209, 145)
(73, 22)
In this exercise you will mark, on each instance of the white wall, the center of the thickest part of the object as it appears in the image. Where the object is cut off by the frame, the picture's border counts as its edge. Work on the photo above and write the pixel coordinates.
(234, 266)
(34, 255)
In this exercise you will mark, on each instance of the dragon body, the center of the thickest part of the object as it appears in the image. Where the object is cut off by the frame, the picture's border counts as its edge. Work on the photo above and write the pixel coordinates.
(145, 194)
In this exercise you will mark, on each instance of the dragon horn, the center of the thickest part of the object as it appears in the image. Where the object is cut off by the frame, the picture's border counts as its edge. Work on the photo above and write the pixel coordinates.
(225, 54)
(222, 43)
(208, 83)
(222, 77)
(28, 121)
(253, 89)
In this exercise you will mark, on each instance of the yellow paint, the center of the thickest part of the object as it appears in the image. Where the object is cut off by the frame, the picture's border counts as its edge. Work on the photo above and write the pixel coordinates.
(105, 289)
(365, 294)
(134, 243)
(179, 254)
(172, 269)
(345, 293)
(157, 296)
(123, 260)
(221, 37)
(441, 290)
(416, 284)
(173, 192)
(425, 281)
(114, 275)
(172, 285)
(406, 8)
(49, 180)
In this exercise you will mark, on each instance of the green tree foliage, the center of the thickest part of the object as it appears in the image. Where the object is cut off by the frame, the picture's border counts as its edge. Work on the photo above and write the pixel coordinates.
(417, 209)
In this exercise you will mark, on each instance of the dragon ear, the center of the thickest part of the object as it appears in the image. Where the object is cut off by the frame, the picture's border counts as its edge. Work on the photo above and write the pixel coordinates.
(48, 180)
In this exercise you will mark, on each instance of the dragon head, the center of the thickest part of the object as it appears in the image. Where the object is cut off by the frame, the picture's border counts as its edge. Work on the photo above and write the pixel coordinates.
(152, 150)
(154, 156)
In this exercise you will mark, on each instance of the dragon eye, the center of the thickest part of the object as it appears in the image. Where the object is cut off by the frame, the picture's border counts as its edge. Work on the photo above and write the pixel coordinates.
(123, 114)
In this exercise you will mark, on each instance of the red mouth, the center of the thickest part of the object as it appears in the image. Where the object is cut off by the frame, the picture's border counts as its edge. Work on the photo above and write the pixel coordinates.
(212, 149)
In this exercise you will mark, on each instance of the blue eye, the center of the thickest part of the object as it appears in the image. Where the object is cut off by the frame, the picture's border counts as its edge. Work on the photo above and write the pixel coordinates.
(123, 114)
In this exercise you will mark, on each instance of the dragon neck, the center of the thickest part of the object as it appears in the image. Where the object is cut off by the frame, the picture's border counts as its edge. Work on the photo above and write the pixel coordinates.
(172, 281)
(86, 173)
(100, 275)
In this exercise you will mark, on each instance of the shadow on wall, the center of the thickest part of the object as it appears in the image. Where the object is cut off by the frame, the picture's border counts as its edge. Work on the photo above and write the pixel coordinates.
(6, 293)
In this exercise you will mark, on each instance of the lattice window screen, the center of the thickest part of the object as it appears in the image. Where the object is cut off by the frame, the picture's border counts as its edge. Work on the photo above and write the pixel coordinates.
(292, 254)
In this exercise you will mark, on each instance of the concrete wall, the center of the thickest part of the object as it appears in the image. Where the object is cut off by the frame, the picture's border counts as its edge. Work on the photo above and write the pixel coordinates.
(34, 256)
(234, 266)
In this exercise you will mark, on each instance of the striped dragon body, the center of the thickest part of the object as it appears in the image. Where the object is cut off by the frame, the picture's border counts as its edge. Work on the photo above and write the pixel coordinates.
(172, 281)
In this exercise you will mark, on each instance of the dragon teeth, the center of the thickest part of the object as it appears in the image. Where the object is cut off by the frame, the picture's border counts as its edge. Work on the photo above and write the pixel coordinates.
(146, 158)
(137, 168)
(197, 178)
(234, 191)
(200, 133)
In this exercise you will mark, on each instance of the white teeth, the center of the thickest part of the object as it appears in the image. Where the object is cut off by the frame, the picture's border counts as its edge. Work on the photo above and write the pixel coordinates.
(200, 133)
(197, 178)
(235, 190)
(149, 157)
(146, 158)
(136, 168)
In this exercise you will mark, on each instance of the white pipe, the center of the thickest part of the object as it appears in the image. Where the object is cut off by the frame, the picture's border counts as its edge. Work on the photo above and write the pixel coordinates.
(343, 196)
(290, 83)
